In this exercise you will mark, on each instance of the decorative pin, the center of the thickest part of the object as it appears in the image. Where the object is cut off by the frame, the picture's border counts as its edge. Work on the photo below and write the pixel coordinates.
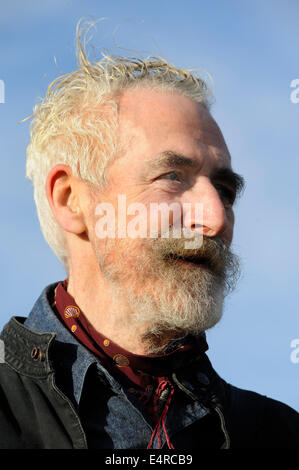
(71, 311)
(120, 360)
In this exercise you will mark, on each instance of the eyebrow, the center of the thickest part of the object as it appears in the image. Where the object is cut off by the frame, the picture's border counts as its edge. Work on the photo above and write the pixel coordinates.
(229, 177)
(174, 160)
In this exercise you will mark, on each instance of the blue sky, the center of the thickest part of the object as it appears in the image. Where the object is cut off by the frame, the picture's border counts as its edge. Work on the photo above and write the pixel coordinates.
(251, 50)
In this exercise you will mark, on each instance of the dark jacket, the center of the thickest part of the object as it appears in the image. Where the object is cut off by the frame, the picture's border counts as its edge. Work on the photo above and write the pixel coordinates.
(56, 394)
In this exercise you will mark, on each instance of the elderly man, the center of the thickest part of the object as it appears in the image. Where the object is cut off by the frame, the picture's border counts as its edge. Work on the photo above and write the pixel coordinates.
(114, 356)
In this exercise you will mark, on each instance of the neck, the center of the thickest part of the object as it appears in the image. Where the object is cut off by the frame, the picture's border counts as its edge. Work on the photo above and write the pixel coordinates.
(108, 314)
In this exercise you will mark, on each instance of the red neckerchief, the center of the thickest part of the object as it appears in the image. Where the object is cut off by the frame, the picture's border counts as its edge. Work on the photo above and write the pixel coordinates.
(146, 376)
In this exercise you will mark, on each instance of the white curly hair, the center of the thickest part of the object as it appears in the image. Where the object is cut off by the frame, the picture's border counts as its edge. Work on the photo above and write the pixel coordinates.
(71, 124)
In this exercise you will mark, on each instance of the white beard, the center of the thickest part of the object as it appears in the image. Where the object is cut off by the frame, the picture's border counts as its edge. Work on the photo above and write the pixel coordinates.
(162, 299)
(175, 312)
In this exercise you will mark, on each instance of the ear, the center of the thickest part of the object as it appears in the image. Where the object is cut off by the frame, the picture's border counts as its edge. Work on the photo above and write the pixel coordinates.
(63, 193)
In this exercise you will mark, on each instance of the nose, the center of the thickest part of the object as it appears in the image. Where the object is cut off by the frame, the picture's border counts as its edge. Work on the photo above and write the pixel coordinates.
(210, 218)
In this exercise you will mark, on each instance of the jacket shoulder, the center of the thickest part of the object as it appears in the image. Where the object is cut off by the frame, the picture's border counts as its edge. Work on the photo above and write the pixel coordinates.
(260, 421)
(10, 430)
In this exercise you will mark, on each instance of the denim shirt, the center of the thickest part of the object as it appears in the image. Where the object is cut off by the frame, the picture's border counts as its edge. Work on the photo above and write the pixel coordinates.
(111, 416)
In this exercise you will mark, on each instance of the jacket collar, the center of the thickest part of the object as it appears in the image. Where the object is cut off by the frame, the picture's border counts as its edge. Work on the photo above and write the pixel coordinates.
(40, 344)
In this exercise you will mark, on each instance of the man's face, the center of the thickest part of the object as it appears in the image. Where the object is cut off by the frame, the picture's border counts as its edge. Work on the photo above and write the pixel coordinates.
(172, 151)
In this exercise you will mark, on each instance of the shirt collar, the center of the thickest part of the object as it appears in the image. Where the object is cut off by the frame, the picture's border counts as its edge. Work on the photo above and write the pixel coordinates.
(68, 354)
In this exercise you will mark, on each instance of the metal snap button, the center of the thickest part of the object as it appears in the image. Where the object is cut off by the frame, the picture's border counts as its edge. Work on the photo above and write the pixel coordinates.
(35, 353)
(41, 356)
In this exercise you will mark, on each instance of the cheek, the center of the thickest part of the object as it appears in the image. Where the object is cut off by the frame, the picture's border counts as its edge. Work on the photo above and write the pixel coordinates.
(162, 211)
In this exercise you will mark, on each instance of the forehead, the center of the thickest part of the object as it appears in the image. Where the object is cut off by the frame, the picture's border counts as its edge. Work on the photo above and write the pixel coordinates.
(152, 122)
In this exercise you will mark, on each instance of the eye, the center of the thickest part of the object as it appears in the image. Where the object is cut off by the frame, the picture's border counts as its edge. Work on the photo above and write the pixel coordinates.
(172, 176)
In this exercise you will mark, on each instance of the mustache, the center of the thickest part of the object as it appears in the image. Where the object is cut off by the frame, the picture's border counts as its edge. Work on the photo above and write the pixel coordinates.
(213, 253)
